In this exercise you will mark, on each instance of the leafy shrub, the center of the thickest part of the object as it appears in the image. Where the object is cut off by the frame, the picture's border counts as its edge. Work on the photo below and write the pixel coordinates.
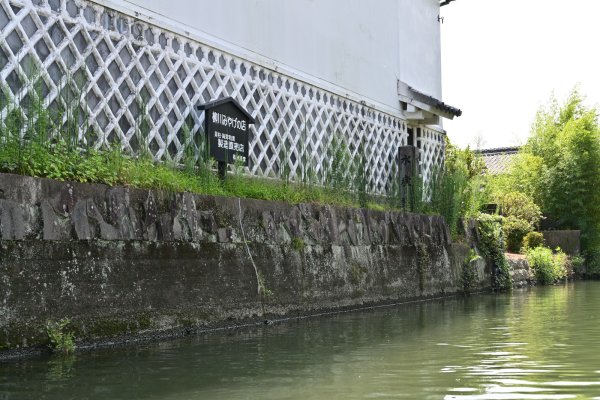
(532, 240)
(489, 229)
(592, 263)
(562, 263)
(578, 264)
(491, 245)
(514, 230)
(61, 340)
(547, 266)
(520, 206)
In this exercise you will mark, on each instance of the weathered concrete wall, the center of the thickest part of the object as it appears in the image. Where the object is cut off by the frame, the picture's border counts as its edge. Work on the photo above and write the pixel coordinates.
(569, 241)
(120, 260)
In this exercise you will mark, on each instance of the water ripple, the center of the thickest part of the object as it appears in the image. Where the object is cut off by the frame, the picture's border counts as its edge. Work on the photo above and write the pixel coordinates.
(537, 344)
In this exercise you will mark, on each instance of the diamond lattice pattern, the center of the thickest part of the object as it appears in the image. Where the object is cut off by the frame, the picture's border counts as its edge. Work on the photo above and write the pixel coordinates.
(133, 73)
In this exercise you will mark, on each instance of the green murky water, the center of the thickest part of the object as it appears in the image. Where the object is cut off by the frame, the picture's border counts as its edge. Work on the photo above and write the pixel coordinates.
(538, 344)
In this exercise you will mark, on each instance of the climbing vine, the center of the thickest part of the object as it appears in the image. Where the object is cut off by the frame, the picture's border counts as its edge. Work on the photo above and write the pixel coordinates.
(491, 245)
(469, 271)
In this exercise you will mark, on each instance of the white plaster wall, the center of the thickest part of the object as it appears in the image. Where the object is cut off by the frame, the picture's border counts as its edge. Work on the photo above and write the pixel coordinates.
(420, 45)
(361, 46)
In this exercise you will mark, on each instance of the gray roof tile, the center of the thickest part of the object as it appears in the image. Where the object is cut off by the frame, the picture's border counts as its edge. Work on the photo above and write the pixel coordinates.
(498, 160)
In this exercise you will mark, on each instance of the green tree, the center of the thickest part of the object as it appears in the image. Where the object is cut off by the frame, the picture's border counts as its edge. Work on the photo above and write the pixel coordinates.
(559, 167)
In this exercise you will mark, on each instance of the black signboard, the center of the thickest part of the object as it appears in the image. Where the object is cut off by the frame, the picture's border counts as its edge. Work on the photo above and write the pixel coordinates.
(227, 126)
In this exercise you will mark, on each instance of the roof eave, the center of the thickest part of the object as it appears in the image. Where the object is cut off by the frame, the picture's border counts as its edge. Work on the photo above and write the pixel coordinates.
(423, 101)
(445, 2)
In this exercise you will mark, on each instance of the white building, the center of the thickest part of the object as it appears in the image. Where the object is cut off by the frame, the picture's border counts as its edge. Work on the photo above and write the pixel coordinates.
(370, 70)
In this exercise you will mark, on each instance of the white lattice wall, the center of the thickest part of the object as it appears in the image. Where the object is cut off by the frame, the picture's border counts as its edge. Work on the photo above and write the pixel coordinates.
(124, 62)
(431, 147)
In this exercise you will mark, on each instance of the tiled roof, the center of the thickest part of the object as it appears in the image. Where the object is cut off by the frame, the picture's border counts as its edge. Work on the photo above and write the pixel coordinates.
(498, 160)
(433, 102)
(445, 2)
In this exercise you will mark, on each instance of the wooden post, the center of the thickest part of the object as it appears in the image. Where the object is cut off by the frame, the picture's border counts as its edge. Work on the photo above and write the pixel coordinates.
(222, 170)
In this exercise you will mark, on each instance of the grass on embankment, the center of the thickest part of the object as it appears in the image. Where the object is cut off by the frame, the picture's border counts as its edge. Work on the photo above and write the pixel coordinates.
(60, 161)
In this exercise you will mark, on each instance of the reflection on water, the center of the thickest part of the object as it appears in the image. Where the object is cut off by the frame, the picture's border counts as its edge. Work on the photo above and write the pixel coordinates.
(537, 344)
(554, 357)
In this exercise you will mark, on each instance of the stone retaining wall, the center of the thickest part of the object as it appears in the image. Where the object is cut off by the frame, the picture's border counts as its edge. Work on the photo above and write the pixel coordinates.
(120, 261)
(520, 272)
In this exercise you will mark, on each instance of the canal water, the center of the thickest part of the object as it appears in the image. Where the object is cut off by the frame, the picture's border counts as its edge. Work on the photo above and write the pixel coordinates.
(541, 343)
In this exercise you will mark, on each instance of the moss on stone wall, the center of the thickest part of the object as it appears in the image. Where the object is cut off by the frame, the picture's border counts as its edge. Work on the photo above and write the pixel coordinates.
(298, 244)
(423, 262)
(358, 273)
